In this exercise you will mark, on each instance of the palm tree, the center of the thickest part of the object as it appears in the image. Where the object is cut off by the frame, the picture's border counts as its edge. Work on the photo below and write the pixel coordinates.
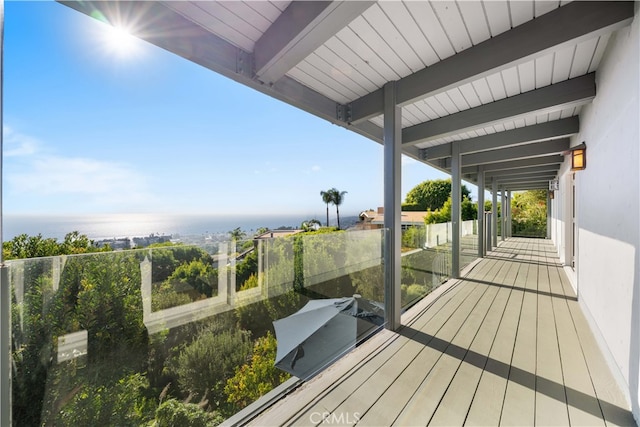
(327, 198)
(237, 234)
(337, 197)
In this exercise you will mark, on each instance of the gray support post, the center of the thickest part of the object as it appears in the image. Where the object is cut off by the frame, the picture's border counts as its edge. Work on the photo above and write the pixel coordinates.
(456, 205)
(509, 213)
(392, 206)
(548, 214)
(488, 246)
(503, 216)
(494, 212)
(481, 231)
(5, 286)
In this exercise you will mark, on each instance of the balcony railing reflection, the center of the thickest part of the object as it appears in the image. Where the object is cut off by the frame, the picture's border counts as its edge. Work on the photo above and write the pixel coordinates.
(170, 327)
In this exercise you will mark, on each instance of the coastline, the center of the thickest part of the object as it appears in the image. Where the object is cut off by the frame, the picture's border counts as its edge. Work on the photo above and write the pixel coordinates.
(110, 226)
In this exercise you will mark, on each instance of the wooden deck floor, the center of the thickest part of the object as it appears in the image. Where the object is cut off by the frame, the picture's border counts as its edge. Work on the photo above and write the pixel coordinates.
(507, 345)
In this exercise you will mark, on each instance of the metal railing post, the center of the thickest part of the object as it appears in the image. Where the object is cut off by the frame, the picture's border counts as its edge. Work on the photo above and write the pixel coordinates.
(5, 346)
(489, 233)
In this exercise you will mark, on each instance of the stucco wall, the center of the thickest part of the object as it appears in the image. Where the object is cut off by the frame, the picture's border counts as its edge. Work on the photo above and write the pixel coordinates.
(608, 207)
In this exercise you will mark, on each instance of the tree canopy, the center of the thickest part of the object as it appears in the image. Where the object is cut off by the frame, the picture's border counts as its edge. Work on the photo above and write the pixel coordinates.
(468, 211)
(432, 195)
(529, 213)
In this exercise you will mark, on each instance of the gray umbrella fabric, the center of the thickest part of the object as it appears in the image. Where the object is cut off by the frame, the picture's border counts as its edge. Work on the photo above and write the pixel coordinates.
(321, 331)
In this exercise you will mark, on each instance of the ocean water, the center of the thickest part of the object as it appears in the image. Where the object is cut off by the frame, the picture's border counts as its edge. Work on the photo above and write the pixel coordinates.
(138, 225)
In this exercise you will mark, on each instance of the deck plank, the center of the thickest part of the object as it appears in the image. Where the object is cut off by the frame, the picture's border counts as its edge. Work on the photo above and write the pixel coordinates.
(455, 342)
(395, 397)
(432, 345)
(519, 400)
(486, 407)
(457, 400)
(358, 387)
(551, 404)
(583, 405)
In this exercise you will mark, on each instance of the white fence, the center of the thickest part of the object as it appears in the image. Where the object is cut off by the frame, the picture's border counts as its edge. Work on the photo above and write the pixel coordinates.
(440, 234)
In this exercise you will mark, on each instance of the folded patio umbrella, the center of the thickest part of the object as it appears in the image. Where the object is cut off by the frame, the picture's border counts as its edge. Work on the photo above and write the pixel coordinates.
(322, 331)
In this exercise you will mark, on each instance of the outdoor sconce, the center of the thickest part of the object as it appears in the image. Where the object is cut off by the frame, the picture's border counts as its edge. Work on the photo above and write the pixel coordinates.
(579, 157)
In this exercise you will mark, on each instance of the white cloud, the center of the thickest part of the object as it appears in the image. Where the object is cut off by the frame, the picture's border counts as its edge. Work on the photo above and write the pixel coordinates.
(17, 144)
(53, 175)
(90, 182)
(315, 168)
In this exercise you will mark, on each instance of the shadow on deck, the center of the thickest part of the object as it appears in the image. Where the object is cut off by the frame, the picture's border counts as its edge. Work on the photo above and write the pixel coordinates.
(506, 345)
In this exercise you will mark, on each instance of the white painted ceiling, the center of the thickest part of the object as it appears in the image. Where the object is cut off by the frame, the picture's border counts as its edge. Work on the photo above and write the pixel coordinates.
(321, 55)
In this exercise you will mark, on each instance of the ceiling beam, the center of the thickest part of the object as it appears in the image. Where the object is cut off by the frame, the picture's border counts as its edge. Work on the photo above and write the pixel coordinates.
(567, 24)
(517, 164)
(298, 31)
(527, 134)
(525, 171)
(550, 98)
(525, 187)
(515, 172)
(524, 178)
(520, 177)
(537, 149)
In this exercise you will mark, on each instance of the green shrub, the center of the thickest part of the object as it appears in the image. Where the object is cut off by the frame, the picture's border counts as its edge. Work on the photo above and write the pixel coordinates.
(204, 365)
(124, 403)
(256, 378)
(172, 413)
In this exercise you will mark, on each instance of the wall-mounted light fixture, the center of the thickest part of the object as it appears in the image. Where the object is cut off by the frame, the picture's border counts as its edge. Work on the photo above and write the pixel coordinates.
(554, 185)
(579, 157)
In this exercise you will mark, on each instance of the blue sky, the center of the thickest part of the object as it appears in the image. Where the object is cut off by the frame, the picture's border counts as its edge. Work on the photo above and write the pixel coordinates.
(89, 130)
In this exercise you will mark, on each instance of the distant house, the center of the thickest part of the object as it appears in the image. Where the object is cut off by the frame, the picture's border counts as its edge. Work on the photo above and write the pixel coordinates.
(371, 219)
(272, 234)
(143, 242)
(115, 244)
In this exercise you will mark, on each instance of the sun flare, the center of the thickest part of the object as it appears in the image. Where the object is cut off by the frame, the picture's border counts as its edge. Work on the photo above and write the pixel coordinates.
(119, 41)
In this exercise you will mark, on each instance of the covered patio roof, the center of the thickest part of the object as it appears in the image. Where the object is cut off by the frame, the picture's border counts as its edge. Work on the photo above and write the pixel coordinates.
(502, 77)
(487, 91)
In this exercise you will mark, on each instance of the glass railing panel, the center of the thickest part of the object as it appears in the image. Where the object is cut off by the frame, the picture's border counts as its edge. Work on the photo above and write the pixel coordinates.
(426, 258)
(135, 337)
(468, 242)
(426, 261)
(339, 269)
